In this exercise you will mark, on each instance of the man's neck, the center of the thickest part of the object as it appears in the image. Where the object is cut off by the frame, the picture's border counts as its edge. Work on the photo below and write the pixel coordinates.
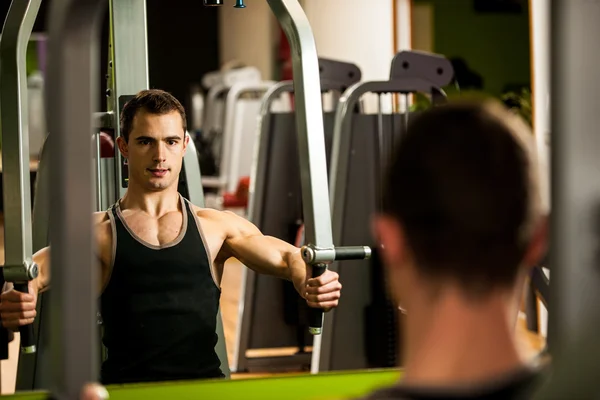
(456, 342)
(153, 203)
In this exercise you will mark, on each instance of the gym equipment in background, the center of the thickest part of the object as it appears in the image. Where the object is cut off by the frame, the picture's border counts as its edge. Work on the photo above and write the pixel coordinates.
(19, 268)
(271, 314)
(217, 84)
(72, 80)
(242, 103)
(128, 36)
(362, 146)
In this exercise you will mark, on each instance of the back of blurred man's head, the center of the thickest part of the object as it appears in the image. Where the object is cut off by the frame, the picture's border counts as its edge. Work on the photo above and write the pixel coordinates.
(461, 205)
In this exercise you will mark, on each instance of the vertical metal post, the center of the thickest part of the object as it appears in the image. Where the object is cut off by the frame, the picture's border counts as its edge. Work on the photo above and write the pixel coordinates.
(128, 58)
(540, 50)
(575, 188)
(311, 137)
(309, 119)
(15, 148)
(73, 73)
(15, 131)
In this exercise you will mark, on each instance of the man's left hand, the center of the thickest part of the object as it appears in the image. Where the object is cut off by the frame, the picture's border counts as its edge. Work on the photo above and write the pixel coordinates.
(321, 292)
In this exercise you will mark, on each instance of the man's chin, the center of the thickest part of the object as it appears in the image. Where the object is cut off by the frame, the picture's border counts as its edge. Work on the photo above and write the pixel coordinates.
(157, 184)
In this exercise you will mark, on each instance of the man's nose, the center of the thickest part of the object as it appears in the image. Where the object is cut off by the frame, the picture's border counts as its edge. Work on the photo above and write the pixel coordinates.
(160, 152)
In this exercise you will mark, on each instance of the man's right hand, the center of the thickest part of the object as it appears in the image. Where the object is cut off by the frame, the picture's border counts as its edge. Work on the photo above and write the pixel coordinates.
(17, 308)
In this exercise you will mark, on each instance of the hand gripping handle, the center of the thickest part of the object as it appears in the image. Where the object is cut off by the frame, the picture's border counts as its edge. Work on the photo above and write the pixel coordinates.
(315, 316)
(26, 331)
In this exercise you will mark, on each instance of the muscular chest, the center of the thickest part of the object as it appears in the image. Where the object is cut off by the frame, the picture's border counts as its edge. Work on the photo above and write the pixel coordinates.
(161, 232)
(156, 231)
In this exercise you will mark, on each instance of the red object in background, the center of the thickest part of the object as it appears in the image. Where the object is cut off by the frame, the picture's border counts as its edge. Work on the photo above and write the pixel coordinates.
(239, 199)
(107, 146)
(299, 242)
(285, 57)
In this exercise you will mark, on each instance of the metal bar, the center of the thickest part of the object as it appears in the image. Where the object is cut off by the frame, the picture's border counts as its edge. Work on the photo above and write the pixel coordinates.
(15, 130)
(311, 136)
(255, 213)
(341, 140)
(255, 209)
(129, 57)
(575, 168)
(211, 98)
(338, 175)
(193, 176)
(231, 141)
(15, 150)
(34, 373)
(309, 119)
(257, 176)
(73, 48)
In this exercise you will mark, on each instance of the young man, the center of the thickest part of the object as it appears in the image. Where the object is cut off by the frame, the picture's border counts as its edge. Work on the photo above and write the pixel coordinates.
(161, 259)
(460, 228)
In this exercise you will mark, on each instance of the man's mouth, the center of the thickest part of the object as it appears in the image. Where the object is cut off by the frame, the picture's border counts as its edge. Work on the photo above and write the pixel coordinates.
(158, 171)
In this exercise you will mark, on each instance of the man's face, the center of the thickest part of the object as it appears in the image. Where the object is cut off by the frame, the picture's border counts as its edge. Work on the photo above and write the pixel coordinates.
(155, 150)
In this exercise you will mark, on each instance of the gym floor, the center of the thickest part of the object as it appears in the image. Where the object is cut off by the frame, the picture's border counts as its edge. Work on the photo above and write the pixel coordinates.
(530, 343)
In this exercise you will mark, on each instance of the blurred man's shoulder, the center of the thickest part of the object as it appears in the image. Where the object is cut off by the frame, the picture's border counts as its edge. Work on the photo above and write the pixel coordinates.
(517, 385)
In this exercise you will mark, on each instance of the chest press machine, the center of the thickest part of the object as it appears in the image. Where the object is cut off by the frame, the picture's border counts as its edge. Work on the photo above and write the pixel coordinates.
(71, 94)
(28, 233)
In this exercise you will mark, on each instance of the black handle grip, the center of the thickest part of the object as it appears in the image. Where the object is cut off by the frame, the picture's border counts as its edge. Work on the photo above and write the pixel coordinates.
(27, 337)
(352, 253)
(315, 316)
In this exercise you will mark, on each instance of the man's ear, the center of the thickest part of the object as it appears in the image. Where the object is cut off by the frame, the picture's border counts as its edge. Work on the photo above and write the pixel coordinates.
(186, 141)
(123, 148)
(538, 245)
(389, 234)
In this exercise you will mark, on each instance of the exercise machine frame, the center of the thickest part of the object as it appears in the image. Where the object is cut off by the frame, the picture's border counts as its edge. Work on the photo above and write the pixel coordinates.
(19, 267)
(72, 82)
(410, 72)
(335, 77)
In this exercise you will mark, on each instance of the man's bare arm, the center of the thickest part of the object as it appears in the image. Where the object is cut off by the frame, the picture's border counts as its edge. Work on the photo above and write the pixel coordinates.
(272, 256)
(261, 253)
(42, 259)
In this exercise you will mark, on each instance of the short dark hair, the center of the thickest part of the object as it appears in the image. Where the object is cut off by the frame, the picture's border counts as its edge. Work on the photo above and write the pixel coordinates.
(153, 101)
(463, 185)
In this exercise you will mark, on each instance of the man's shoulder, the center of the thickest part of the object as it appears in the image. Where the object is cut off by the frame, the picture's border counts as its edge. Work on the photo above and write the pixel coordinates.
(213, 213)
(99, 217)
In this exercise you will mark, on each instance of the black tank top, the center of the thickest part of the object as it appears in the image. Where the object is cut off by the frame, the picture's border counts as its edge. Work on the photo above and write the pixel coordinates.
(160, 306)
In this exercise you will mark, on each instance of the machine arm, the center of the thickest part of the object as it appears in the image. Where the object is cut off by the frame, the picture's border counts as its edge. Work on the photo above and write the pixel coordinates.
(19, 268)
